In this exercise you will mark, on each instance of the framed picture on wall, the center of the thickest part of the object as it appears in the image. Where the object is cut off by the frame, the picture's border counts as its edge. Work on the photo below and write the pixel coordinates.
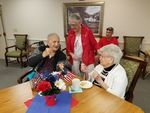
(92, 14)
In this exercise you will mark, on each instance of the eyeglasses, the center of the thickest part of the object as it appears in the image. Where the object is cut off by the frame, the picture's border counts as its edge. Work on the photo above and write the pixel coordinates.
(73, 25)
(103, 56)
(110, 29)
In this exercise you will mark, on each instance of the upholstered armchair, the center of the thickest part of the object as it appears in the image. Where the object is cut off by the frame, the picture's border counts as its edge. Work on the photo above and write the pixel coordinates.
(132, 45)
(132, 48)
(18, 51)
(133, 68)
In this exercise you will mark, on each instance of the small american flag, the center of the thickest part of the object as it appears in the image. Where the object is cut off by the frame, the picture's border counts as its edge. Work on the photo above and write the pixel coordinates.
(36, 80)
(69, 76)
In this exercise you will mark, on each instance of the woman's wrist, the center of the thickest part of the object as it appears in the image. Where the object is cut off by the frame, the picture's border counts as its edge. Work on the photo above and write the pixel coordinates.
(71, 54)
(86, 75)
(104, 85)
(44, 54)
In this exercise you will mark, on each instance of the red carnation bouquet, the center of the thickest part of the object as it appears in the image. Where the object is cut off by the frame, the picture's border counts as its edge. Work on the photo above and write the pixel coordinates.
(49, 88)
(46, 88)
(50, 85)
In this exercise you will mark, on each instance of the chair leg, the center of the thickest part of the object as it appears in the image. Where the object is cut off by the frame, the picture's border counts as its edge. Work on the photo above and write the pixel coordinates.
(144, 70)
(26, 62)
(21, 62)
(18, 60)
(129, 97)
(146, 74)
(6, 60)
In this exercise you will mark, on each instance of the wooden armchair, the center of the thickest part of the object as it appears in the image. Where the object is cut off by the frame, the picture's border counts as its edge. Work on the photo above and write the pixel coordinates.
(133, 68)
(19, 51)
(132, 48)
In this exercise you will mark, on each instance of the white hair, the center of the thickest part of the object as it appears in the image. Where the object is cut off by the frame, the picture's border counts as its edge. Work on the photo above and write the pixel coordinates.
(51, 35)
(113, 51)
(75, 16)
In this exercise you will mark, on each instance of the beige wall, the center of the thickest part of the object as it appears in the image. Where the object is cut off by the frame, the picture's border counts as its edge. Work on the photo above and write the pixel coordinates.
(38, 18)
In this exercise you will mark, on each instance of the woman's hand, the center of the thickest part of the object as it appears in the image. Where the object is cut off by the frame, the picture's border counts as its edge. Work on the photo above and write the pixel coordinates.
(61, 65)
(45, 52)
(83, 67)
(101, 82)
(95, 74)
(48, 52)
(98, 79)
(74, 57)
(84, 70)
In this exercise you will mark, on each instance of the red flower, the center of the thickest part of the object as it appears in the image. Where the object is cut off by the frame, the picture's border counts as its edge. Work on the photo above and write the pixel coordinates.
(44, 86)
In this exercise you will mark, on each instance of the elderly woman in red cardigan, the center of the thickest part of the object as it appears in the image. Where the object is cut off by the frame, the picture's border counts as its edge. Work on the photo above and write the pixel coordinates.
(81, 44)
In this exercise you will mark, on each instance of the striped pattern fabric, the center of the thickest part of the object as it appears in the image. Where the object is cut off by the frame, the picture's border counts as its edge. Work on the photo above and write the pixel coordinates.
(69, 76)
(36, 80)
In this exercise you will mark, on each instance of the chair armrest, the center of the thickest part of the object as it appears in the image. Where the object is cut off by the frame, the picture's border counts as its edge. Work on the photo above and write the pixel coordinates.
(145, 56)
(19, 48)
(9, 47)
(143, 53)
(22, 77)
(31, 47)
(68, 56)
(64, 49)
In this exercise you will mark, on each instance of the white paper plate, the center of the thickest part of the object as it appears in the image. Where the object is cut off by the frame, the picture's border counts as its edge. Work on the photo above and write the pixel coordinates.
(85, 84)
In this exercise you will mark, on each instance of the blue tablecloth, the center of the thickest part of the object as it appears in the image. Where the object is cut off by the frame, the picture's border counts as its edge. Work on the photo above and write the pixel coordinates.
(63, 102)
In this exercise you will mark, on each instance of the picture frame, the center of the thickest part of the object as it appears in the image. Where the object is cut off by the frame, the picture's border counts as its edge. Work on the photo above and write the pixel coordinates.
(92, 14)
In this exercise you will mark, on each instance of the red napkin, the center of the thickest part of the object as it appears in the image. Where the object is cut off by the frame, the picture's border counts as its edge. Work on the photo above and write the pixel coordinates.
(74, 102)
(28, 102)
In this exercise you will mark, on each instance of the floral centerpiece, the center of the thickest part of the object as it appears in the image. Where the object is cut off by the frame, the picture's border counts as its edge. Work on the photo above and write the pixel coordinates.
(50, 86)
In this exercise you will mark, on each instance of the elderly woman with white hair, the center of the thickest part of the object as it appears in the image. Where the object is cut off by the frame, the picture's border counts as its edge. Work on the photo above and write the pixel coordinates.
(45, 60)
(109, 74)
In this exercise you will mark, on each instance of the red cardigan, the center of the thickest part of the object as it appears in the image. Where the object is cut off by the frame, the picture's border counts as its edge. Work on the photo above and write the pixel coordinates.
(104, 41)
(89, 45)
